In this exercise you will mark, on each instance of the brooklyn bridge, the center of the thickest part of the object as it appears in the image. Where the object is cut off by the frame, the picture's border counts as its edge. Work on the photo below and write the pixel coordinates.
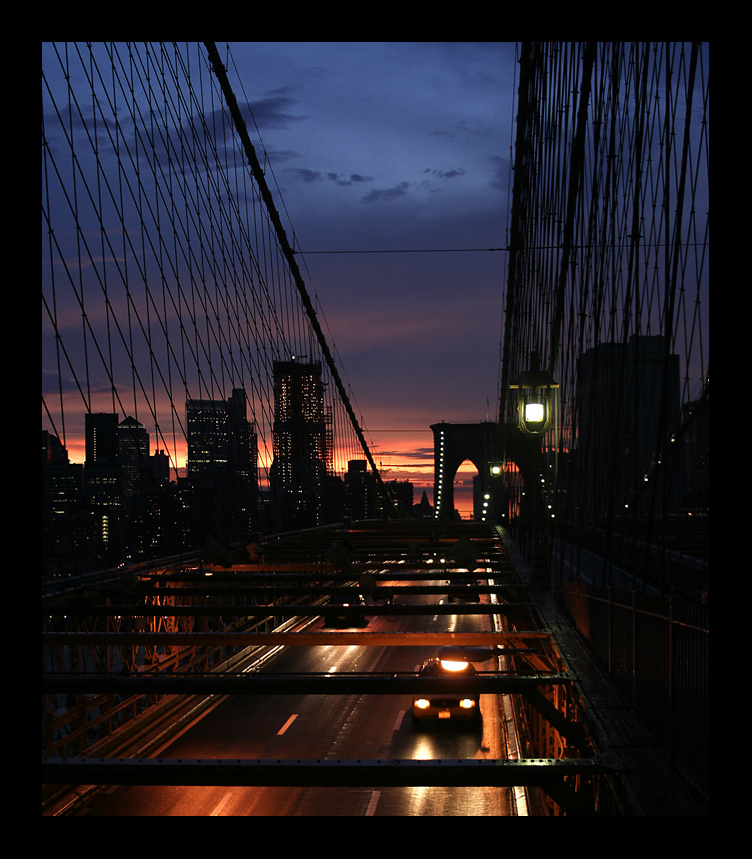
(246, 610)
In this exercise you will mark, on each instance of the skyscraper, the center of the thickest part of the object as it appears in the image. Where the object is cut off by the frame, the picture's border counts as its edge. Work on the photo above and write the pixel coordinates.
(133, 455)
(223, 454)
(61, 479)
(302, 446)
(628, 399)
(101, 478)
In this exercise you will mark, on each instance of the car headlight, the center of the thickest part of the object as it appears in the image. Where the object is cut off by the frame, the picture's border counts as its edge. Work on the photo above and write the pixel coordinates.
(422, 703)
(467, 703)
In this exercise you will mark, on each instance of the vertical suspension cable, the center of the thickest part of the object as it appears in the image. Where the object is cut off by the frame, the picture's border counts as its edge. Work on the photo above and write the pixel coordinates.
(219, 70)
(172, 248)
(623, 250)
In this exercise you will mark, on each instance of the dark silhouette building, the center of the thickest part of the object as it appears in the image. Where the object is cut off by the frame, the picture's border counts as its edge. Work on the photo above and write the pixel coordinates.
(303, 447)
(361, 491)
(133, 457)
(101, 478)
(629, 405)
(365, 498)
(695, 448)
(223, 456)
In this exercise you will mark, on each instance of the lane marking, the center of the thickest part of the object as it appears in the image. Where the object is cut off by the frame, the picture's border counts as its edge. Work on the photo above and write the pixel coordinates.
(221, 806)
(287, 724)
(398, 723)
(375, 796)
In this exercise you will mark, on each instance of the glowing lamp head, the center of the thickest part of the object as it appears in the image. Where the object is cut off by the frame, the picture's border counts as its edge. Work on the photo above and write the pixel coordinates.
(453, 665)
(422, 703)
(534, 412)
(536, 389)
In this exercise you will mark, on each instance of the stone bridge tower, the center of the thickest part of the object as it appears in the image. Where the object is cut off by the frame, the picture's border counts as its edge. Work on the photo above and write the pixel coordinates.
(486, 445)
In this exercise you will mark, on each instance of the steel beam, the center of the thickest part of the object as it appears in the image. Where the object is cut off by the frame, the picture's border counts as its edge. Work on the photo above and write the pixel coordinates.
(229, 610)
(295, 684)
(208, 588)
(321, 772)
(408, 572)
(292, 639)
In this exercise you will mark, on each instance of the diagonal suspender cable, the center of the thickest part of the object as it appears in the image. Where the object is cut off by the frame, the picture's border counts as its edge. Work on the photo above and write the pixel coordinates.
(220, 72)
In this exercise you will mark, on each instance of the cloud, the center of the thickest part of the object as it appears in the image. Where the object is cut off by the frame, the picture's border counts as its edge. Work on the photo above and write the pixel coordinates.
(501, 172)
(52, 382)
(421, 456)
(273, 111)
(445, 174)
(303, 174)
(379, 194)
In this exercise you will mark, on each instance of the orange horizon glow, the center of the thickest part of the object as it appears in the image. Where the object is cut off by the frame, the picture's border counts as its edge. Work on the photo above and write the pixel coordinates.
(406, 460)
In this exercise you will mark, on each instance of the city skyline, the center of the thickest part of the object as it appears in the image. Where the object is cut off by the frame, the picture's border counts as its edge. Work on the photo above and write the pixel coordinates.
(390, 163)
(420, 472)
(125, 503)
(401, 149)
(188, 462)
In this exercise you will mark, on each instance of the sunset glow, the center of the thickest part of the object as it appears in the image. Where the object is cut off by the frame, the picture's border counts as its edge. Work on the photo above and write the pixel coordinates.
(407, 456)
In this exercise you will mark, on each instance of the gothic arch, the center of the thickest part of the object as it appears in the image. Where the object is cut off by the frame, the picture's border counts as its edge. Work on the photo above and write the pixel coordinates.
(483, 444)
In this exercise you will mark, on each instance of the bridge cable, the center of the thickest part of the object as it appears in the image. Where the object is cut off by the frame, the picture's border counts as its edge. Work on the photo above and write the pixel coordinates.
(220, 72)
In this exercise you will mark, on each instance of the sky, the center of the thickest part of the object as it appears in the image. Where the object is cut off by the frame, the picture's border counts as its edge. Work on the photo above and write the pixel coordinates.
(390, 162)
(395, 147)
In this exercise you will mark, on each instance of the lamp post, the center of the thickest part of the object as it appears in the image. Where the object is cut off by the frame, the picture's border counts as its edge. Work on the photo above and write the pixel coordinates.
(535, 406)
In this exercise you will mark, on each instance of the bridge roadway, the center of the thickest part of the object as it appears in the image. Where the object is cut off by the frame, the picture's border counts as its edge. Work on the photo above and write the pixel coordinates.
(236, 741)
(331, 727)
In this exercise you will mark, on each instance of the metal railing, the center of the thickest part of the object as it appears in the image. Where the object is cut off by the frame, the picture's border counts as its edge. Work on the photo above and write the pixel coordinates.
(656, 651)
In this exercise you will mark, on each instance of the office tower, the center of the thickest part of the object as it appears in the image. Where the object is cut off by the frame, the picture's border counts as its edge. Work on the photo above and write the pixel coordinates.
(133, 456)
(222, 454)
(302, 446)
(61, 479)
(159, 468)
(695, 447)
(361, 491)
(101, 479)
(67, 524)
(628, 401)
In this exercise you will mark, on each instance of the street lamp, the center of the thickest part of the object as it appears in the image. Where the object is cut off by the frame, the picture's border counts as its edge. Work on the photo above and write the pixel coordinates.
(535, 406)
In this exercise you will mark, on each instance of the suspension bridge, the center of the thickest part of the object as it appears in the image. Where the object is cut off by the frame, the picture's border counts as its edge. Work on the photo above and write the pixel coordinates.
(230, 524)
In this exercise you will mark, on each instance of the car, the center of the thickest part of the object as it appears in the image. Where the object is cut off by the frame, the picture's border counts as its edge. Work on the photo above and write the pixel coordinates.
(462, 581)
(441, 707)
(347, 618)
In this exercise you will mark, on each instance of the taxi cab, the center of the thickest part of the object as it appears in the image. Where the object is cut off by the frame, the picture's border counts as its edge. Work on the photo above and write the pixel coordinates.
(459, 707)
